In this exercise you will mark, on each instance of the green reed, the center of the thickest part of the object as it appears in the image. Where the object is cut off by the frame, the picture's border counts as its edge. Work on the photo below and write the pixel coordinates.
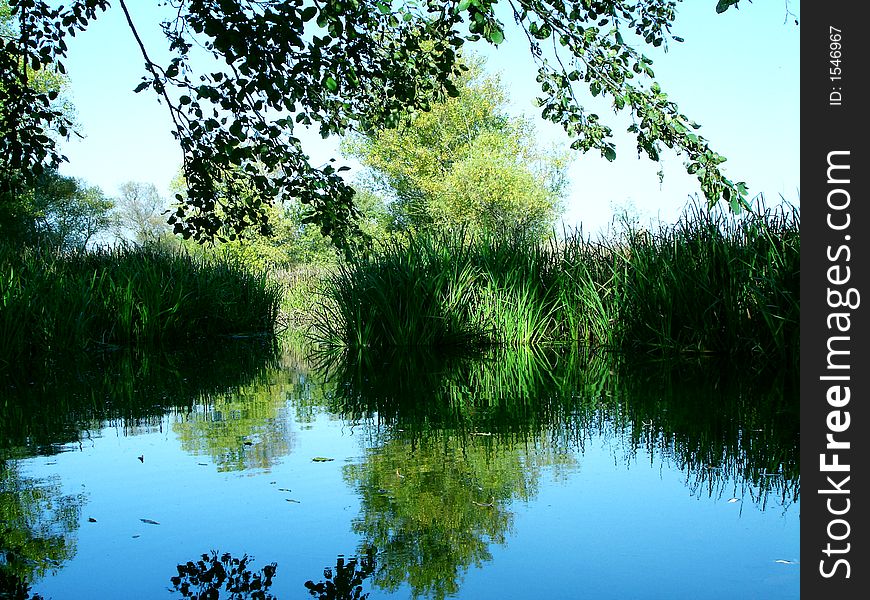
(413, 292)
(127, 296)
(712, 283)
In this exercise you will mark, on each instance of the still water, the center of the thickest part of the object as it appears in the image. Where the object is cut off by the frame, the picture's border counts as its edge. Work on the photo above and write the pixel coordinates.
(547, 474)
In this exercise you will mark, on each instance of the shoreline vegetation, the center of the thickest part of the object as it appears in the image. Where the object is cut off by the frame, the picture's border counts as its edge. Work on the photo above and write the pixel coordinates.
(711, 285)
(55, 303)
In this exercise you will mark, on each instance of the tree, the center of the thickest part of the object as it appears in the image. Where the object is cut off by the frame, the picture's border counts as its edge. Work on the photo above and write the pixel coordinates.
(67, 212)
(41, 126)
(63, 212)
(346, 65)
(291, 241)
(465, 163)
(139, 210)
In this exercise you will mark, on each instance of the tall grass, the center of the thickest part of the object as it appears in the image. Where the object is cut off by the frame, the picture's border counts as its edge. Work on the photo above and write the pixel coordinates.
(712, 283)
(129, 296)
(414, 292)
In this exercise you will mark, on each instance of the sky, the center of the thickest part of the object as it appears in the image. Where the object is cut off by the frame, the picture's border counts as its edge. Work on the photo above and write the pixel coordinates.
(736, 73)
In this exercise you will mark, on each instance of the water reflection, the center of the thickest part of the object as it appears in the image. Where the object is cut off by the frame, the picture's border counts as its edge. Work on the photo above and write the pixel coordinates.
(345, 580)
(37, 528)
(455, 444)
(717, 426)
(729, 434)
(210, 575)
(245, 429)
(124, 389)
(68, 406)
(450, 450)
(435, 506)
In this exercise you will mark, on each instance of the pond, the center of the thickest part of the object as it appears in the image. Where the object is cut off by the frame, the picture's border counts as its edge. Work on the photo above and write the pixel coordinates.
(518, 474)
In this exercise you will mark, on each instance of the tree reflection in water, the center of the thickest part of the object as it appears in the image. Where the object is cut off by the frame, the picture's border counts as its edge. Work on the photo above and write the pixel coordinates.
(454, 443)
(207, 577)
(345, 581)
(37, 526)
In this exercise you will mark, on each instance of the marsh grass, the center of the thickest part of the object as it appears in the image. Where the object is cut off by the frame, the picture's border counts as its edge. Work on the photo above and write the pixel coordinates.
(710, 284)
(714, 284)
(415, 292)
(53, 303)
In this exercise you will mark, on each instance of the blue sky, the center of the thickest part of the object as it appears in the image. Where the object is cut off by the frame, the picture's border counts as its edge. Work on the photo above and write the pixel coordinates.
(737, 74)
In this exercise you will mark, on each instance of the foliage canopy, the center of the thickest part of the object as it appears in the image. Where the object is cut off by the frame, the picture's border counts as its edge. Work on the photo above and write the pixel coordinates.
(340, 66)
(65, 213)
(465, 164)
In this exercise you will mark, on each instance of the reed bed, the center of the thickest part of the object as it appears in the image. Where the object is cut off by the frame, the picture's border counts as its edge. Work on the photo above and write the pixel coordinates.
(127, 296)
(712, 283)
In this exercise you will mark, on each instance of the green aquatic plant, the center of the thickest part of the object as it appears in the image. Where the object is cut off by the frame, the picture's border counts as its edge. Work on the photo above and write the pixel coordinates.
(142, 296)
(413, 292)
(712, 283)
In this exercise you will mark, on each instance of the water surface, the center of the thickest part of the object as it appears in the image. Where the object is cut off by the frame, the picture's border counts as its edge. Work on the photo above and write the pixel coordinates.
(550, 474)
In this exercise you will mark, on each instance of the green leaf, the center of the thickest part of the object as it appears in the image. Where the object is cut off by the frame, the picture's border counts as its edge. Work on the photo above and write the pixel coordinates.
(331, 84)
(724, 5)
(308, 13)
(610, 154)
(496, 37)
(463, 5)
